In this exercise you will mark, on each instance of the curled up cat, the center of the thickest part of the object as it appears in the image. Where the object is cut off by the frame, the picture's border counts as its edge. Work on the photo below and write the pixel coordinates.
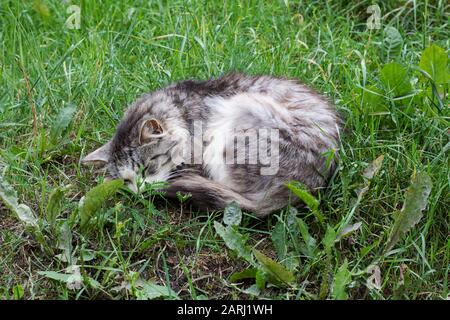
(235, 138)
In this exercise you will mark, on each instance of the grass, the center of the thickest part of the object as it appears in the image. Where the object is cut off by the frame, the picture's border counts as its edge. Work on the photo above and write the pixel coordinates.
(138, 242)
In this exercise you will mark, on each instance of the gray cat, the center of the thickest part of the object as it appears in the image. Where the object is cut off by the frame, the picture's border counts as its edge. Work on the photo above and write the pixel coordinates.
(236, 138)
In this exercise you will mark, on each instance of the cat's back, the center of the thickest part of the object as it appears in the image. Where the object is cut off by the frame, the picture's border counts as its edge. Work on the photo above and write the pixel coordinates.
(300, 100)
(234, 83)
(243, 100)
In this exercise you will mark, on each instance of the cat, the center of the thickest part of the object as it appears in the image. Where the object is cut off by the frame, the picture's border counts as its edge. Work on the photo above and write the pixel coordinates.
(235, 138)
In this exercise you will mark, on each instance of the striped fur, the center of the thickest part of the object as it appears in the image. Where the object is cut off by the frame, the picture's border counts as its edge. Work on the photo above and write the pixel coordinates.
(307, 127)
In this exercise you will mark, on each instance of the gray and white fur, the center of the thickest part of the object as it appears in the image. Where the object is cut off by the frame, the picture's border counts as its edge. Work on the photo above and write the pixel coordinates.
(159, 127)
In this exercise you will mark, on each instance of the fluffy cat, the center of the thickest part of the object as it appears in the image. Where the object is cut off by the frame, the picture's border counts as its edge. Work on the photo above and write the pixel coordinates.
(236, 138)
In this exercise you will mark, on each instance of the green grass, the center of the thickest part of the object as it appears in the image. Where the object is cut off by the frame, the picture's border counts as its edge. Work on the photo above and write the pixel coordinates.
(111, 60)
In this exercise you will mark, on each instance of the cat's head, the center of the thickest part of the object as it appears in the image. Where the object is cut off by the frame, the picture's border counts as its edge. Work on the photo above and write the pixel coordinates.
(141, 151)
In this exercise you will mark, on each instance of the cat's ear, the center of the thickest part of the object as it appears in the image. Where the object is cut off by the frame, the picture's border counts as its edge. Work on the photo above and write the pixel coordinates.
(150, 128)
(99, 156)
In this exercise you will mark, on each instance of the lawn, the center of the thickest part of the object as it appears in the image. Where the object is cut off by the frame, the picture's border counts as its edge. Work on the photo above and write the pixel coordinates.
(379, 231)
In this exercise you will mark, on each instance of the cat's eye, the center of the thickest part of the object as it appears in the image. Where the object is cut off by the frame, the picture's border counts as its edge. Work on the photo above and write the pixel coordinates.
(155, 157)
(145, 170)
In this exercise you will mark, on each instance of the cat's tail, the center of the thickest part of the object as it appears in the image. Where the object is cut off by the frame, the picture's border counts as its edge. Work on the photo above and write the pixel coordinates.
(208, 194)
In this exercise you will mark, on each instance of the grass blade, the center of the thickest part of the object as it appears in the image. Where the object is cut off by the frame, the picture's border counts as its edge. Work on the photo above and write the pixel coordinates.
(234, 241)
(95, 198)
(341, 279)
(9, 197)
(274, 269)
(302, 192)
(416, 198)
